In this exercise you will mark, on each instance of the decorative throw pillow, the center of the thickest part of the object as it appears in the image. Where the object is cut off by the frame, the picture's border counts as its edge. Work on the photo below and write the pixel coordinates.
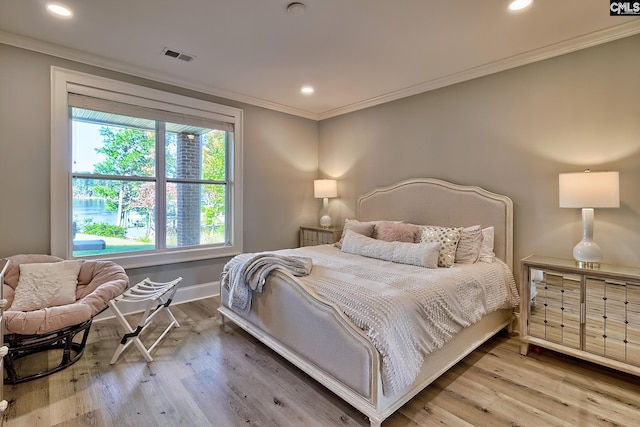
(364, 228)
(46, 284)
(420, 254)
(468, 250)
(395, 231)
(486, 250)
(447, 237)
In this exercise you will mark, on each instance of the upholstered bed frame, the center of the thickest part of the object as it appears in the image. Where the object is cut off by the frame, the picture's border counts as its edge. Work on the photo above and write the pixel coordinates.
(342, 357)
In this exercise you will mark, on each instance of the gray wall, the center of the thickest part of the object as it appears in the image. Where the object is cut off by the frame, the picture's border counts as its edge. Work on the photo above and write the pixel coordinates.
(512, 133)
(280, 164)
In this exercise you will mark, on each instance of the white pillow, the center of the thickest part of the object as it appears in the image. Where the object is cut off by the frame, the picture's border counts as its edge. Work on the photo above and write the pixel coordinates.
(447, 237)
(420, 254)
(46, 284)
(486, 250)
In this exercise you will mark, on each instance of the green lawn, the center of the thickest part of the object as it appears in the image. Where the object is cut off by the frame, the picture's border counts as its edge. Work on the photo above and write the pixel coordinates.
(114, 245)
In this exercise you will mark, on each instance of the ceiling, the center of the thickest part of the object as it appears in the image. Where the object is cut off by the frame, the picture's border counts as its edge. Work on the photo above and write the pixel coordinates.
(355, 53)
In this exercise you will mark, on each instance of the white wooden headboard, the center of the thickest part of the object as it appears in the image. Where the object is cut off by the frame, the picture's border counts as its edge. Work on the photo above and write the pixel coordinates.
(428, 201)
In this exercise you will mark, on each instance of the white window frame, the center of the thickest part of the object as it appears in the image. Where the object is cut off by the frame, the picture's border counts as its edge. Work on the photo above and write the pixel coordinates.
(62, 80)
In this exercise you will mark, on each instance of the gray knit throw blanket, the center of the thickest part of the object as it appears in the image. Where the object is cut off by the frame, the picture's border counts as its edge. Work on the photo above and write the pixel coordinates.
(247, 273)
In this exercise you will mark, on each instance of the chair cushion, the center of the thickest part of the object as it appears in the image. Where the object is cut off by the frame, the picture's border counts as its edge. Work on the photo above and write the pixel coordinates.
(98, 283)
(46, 284)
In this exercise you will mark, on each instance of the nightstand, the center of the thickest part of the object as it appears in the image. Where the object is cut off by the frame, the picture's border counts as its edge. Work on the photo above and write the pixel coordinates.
(592, 314)
(312, 236)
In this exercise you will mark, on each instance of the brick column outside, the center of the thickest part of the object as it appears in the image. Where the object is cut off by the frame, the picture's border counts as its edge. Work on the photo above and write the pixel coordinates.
(188, 209)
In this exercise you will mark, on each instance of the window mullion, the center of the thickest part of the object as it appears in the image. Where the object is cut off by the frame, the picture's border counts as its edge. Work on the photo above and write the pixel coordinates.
(161, 187)
(229, 172)
(98, 176)
(196, 181)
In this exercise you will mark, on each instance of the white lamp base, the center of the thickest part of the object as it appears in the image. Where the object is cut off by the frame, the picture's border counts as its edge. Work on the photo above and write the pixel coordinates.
(325, 221)
(587, 253)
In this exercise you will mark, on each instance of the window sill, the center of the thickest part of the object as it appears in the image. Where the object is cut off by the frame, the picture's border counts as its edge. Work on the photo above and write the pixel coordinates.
(132, 260)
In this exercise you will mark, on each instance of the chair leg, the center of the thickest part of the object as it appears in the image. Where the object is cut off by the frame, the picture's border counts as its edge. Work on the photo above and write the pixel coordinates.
(10, 369)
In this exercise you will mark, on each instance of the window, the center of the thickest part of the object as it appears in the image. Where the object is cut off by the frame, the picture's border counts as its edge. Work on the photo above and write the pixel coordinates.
(150, 177)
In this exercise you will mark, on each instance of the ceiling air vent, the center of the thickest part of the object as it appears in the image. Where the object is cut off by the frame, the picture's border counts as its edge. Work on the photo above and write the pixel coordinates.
(178, 55)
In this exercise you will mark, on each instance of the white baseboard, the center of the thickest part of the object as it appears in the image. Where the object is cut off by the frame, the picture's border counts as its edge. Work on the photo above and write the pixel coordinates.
(186, 294)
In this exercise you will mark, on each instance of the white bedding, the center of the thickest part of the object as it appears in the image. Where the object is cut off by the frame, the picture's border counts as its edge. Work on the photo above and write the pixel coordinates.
(406, 311)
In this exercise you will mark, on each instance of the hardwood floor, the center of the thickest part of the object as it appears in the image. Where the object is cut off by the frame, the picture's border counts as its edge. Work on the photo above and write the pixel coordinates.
(207, 375)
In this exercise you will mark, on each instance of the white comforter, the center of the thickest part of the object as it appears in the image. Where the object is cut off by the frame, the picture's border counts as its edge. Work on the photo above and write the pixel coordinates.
(406, 311)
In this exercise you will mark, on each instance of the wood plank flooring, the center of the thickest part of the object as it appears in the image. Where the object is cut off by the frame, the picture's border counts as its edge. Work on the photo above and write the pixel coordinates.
(207, 375)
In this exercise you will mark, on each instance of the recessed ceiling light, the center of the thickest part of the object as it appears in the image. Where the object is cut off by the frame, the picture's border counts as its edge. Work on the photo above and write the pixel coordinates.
(519, 4)
(307, 90)
(59, 10)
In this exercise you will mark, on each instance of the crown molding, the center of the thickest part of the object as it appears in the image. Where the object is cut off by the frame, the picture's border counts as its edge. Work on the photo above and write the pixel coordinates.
(599, 37)
(121, 67)
(627, 29)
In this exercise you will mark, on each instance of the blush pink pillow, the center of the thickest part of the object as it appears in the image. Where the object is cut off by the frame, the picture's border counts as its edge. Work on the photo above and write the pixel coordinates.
(395, 232)
(468, 250)
(364, 228)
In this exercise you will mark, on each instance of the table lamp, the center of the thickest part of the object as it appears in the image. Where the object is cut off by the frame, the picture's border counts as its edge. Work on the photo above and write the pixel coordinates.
(589, 190)
(323, 189)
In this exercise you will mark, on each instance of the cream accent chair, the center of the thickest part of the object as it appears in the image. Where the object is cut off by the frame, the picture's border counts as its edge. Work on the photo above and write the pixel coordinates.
(29, 332)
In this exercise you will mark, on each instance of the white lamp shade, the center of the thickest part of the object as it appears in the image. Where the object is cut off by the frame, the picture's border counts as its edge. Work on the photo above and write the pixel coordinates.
(325, 188)
(589, 190)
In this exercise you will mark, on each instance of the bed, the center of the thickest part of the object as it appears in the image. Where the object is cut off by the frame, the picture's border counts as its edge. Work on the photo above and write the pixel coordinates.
(288, 315)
